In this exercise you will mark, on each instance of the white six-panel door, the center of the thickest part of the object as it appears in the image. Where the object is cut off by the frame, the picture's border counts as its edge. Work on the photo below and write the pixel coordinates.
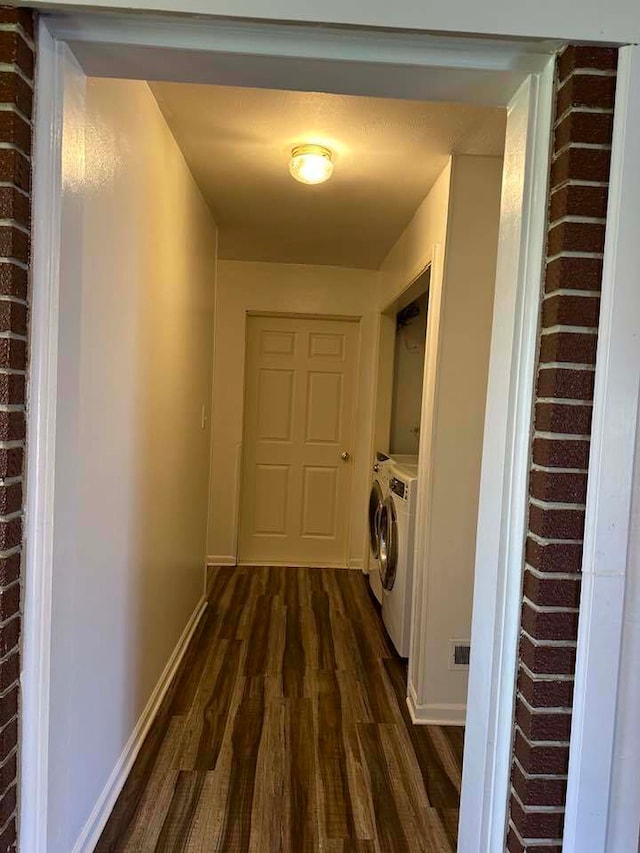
(298, 440)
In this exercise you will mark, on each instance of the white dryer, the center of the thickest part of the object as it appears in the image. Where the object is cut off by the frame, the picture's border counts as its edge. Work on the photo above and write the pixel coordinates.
(396, 536)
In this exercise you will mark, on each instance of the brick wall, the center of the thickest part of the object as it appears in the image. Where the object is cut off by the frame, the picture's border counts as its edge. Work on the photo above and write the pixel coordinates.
(16, 96)
(560, 448)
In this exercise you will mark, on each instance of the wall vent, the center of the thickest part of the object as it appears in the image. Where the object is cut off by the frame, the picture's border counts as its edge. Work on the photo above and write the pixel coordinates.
(459, 651)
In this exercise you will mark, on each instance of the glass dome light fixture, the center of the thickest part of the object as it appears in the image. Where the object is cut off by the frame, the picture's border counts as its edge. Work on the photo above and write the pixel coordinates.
(311, 164)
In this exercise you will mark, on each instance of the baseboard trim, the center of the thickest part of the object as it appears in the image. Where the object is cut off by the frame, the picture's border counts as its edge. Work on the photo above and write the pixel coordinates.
(356, 563)
(98, 818)
(224, 560)
(289, 565)
(435, 715)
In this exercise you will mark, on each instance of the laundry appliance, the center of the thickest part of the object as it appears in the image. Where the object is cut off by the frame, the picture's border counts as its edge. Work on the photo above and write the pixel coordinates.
(396, 524)
(379, 491)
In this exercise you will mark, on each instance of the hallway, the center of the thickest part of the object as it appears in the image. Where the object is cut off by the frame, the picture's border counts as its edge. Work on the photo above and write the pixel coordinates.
(287, 730)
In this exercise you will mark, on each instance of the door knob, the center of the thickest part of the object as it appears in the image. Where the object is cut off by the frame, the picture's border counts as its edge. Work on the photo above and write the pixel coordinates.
(345, 456)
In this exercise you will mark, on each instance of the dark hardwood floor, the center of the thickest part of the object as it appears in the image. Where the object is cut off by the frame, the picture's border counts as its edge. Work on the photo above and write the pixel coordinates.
(287, 730)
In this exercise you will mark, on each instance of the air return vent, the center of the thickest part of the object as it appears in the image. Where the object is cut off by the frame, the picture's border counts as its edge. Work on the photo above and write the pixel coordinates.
(459, 651)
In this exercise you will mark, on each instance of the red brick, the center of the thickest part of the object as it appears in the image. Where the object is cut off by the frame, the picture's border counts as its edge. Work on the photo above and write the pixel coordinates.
(515, 846)
(561, 453)
(14, 90)
(563, 418)
(14, 244)
(562, 309)
(547, 659)
(581, 164)
(13, 280)
(9, 706)
(8, 773)
(587, 57)
(13, 355)
(574, 274)
(15, 130)
(10, 498)
(8, 739)
(542, 758)
(565, 383)
(549, 624)
(11, 461)
(552, 592)
(15, 168)
(13, 317)
(12, 426)
(10, 533)
(14, 50)
(561, 487)
(9, 571)
(538, 791)
(546, 693)
(21, 17)
(9, 602)
(576, 237)
(9, 672)
(7, 805)
(14, 205)
(556, 523)
(536, 824)
(543, 725)
(573, 347)
(8, 839)
(591, 128)
(12, 393)
(556, 557)
(586, 90)
(9, 639)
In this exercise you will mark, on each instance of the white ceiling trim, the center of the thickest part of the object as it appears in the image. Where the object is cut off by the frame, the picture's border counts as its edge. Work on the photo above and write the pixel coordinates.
(218, 51)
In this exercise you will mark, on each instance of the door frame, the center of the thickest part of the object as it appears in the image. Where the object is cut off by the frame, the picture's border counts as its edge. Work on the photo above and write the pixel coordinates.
(517, 75)
(347, 318)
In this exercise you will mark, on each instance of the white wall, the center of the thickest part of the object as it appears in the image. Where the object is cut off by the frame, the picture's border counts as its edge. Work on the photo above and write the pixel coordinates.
(412, 251)
(283, 288)
(135, 337)
(599, 20)
(444, 583)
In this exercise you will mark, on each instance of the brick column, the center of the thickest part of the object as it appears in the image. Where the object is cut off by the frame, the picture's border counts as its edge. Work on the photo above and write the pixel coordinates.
(585, 89)
(16, 98)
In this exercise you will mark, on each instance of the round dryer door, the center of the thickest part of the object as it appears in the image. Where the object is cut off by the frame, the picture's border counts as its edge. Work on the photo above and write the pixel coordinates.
(376, 500)
(388, 557)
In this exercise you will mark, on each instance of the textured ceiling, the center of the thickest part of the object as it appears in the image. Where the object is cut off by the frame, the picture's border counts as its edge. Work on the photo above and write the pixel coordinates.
(387, 154)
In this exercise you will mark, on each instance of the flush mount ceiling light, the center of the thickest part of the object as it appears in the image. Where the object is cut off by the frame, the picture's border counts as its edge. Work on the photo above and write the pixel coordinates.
(311, 164)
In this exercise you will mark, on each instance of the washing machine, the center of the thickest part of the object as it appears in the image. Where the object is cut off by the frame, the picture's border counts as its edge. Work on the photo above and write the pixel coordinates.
(396, 537)
(379, 491)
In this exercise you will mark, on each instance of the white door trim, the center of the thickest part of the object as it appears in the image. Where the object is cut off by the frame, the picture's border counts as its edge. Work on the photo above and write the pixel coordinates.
(41, 441)
(472, 64)
(505, 473)
(603, 794)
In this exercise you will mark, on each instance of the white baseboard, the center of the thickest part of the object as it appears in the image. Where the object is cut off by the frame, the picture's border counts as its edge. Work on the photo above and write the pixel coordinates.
(224, 560)
(356, 563)
(97, 820)
(435, 715)
(289, 565)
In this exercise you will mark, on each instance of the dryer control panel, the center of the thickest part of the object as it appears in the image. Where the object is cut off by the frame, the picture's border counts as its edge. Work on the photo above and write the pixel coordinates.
(398, 487)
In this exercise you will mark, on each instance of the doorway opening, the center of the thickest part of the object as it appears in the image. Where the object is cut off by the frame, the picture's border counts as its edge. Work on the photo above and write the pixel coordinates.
(374, 288)
(408, 370)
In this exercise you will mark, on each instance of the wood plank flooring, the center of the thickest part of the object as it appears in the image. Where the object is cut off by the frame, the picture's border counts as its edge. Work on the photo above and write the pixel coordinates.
(287, 730)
